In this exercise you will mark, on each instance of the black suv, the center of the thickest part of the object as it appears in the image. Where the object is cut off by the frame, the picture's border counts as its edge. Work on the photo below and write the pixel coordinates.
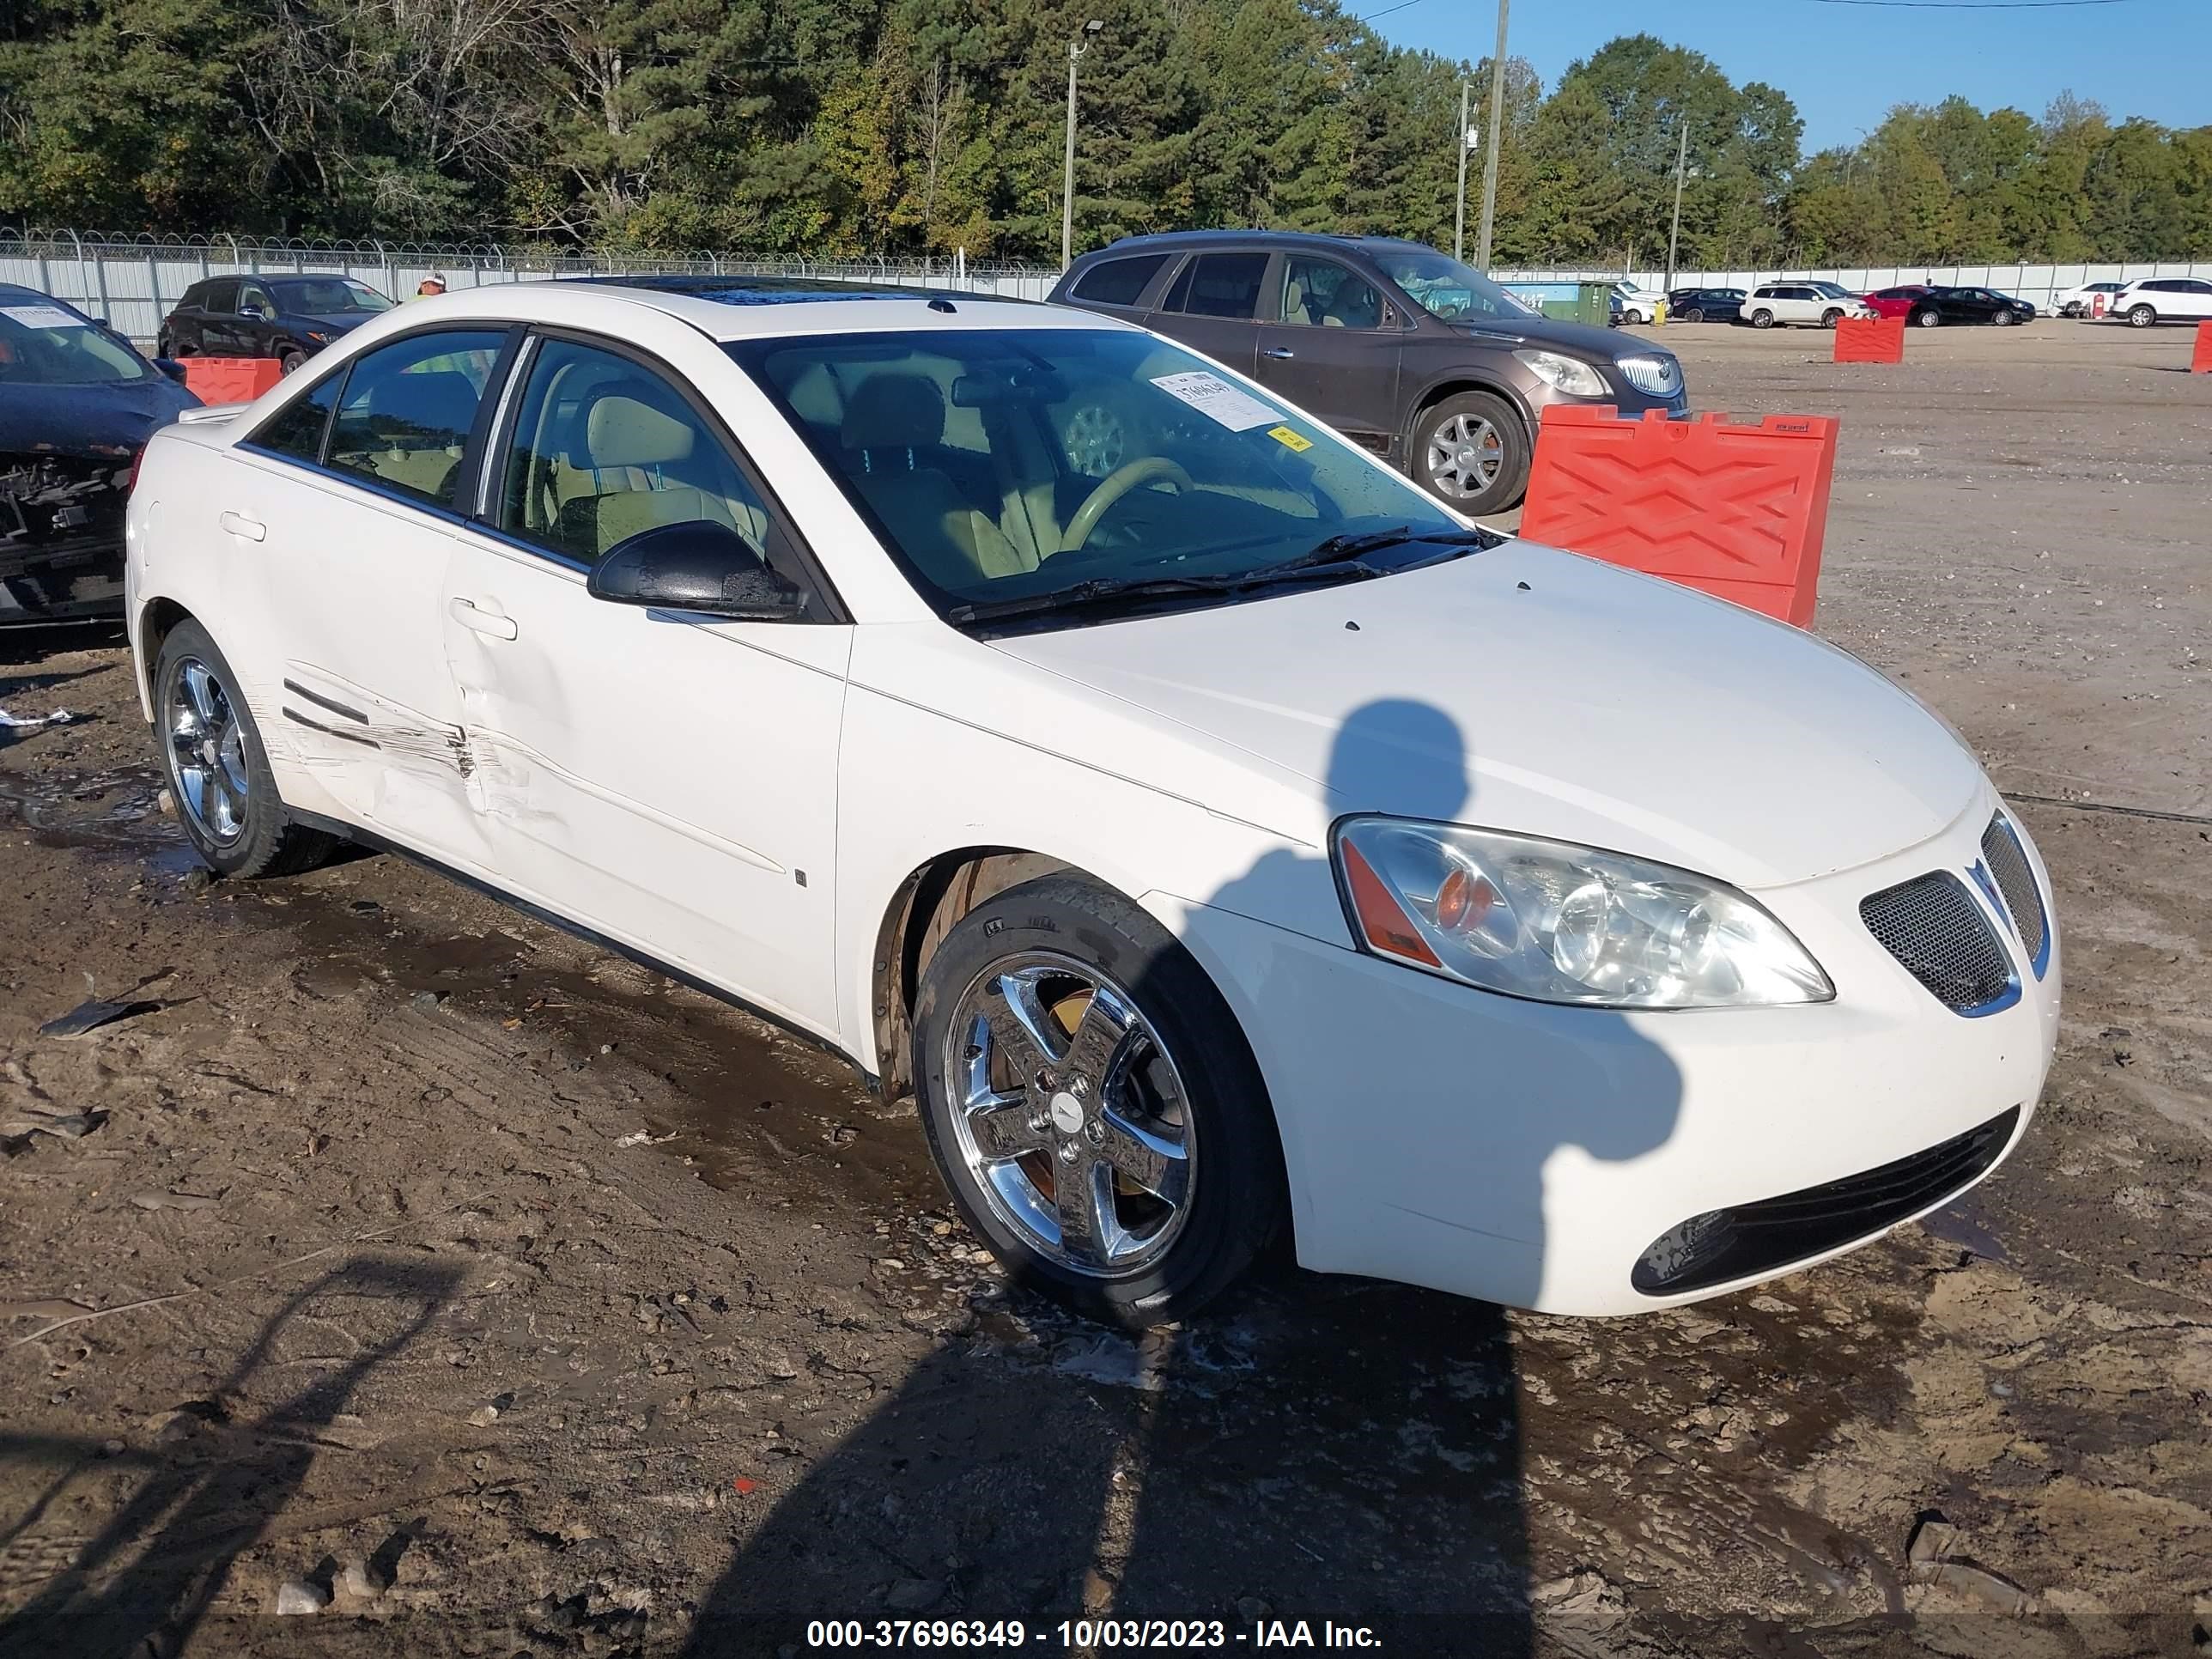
(287, 318)
(1401, 348)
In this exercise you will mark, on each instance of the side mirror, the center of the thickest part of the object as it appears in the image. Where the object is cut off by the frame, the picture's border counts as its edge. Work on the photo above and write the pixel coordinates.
(698, 565)
(172, 368)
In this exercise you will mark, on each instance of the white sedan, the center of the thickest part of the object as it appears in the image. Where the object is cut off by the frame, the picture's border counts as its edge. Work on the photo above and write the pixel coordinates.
(1234, 845)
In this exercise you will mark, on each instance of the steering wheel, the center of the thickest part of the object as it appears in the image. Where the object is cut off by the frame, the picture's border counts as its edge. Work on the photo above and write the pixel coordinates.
(1114, 485)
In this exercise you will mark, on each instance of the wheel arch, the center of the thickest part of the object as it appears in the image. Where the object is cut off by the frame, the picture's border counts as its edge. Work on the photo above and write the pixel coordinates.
(1451, 384)
(922, 909)
(157, 619)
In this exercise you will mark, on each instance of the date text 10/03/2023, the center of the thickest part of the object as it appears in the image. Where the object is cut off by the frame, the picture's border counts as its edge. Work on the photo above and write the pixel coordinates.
(1087, 1635)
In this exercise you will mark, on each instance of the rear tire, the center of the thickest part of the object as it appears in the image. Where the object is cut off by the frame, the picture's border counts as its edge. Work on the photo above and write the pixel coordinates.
(1693, 315)
(1927, 318)
(2142, 317)
(1062, 1036)
(1762, 318)
(216, 769)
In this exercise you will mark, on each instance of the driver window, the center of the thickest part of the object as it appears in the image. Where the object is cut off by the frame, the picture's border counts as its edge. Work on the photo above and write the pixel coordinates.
(254, 300)
(1323, 293)
(604, 448)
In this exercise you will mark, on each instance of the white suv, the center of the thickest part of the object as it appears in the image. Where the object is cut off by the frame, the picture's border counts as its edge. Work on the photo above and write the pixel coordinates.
(2162, 300)
(1818, 305)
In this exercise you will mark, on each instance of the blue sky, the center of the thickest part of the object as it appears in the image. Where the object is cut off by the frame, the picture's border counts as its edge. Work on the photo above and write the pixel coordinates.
(1847, 65)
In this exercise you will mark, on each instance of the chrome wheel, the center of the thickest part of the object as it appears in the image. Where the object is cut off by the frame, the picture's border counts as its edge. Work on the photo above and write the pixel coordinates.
(1069, 1114)
(1464, 456)
(1096, 440)
(207, 750)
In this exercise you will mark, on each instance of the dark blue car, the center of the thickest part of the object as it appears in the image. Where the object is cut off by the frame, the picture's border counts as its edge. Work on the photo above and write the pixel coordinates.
(77, 403)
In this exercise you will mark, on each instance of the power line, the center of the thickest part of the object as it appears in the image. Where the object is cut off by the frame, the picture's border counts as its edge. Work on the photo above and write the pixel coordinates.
(1387, 10)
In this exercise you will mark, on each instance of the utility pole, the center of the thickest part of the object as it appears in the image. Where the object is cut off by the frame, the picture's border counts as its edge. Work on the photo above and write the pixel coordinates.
(1490, 161)
(1674, 236)
(1459, 202)
(1076, 48)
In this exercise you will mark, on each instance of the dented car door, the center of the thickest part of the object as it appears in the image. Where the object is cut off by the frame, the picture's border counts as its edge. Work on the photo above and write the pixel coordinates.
(666, 779)
(336, 531)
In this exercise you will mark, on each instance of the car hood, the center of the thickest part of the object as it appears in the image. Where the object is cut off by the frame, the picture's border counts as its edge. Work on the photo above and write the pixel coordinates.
(1598, 344)
(1527, 689)
(89, 420)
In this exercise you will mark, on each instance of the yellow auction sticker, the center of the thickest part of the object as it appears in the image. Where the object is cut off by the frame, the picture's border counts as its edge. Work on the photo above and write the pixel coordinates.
(1288, 439)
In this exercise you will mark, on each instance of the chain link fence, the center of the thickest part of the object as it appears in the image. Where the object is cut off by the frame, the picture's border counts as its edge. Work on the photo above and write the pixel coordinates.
(132, 283)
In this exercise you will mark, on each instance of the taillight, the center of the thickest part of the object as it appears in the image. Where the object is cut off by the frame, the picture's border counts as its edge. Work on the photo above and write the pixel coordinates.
(131, 488)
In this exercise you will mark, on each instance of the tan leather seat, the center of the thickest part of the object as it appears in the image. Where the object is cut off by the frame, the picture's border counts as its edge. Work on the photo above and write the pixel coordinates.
(629, 448)
(893, 424)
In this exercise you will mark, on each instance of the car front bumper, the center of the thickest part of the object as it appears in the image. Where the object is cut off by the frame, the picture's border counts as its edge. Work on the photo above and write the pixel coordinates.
(1532, 1154)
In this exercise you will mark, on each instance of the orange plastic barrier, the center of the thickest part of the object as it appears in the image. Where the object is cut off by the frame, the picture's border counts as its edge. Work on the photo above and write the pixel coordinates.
(2201, 362)
(1870, 340)
(230, 380)
(1734, 510)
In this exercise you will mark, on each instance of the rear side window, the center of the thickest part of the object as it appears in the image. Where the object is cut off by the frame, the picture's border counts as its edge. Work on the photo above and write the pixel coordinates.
(296, 430)
(219, 297)
(404, 419)
(1221, 285)
(1118, 282)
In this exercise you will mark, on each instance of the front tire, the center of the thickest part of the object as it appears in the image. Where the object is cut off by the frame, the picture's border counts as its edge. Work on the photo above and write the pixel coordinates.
(1831, 316)
(218, 770)
(293, 360)
(1092, 1105)
(1472, 452)
(2004, 320)
(2142, 317)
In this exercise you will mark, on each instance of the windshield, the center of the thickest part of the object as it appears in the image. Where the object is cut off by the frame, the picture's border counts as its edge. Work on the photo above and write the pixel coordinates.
(1443, 286)
(328, 296)
(1833, 290)
(1019, 464)
(43, 344)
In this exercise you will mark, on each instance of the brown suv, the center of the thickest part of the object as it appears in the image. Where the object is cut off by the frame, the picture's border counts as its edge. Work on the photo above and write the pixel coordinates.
(1400, 347)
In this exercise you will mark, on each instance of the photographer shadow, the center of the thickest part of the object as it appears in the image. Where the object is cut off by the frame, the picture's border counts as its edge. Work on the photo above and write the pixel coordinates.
(1313, 1449)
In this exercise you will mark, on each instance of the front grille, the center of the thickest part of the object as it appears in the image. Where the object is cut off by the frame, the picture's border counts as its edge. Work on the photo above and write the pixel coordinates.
(1750, 1239)
(1657, 377)
(1933, 927)
(2008, 862)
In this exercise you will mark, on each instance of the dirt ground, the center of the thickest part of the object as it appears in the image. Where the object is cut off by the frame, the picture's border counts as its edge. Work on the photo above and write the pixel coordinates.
(412, 1258)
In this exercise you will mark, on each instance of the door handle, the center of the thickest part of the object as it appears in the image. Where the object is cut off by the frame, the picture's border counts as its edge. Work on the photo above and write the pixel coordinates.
(239, 524)
(1279, 351)
(473, 616)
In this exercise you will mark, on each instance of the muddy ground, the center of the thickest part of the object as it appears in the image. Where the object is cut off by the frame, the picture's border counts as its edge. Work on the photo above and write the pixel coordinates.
(412, 1258)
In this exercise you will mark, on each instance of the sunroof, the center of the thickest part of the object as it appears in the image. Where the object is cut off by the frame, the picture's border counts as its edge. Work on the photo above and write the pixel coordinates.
(763, 290)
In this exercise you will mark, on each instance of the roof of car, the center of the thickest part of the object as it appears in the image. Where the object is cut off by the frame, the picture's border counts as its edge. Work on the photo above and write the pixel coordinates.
(735, 308)
(1174, 239)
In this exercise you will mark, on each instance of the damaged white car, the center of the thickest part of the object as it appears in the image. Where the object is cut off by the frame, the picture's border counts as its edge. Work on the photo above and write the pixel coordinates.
(1231, 846)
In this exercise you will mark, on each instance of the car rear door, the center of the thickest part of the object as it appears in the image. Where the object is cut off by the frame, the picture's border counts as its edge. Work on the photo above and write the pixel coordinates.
(665, 778)
(336, 519)
(1334, 347)
(211, 331)
(1212, 305)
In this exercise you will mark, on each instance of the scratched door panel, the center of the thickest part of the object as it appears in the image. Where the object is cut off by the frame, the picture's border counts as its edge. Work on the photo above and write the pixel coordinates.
(348, 677)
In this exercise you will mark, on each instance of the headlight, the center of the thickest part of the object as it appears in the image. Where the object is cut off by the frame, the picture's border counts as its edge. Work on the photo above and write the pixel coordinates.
(1556, 922)
(1576, 380)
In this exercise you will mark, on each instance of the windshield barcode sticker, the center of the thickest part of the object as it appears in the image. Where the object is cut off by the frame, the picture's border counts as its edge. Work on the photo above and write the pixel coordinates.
(41, 316)
(1215, 398)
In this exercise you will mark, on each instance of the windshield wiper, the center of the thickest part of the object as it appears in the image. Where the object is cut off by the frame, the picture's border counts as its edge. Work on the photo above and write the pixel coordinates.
(1336, 559)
